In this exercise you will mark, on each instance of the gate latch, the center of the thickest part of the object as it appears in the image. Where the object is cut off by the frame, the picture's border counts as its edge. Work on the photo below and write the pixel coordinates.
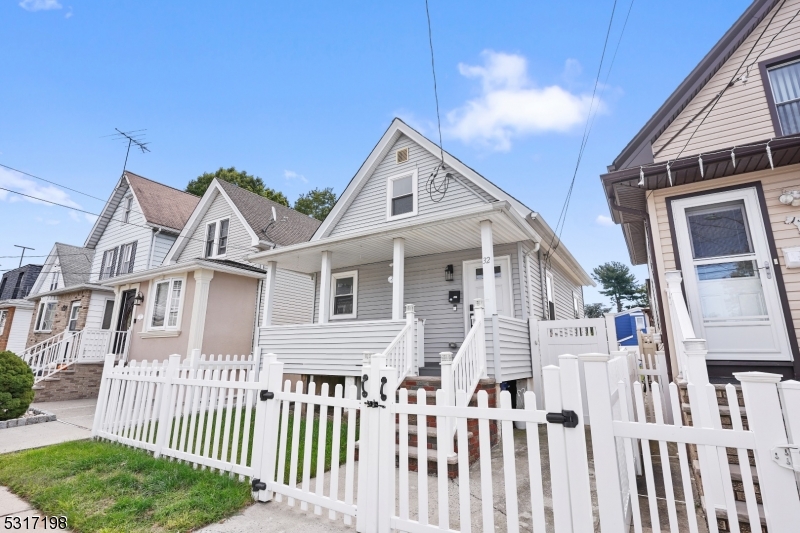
(374, 403)
(569, 419)
(787, 456)
(258, 485)
(265, 395)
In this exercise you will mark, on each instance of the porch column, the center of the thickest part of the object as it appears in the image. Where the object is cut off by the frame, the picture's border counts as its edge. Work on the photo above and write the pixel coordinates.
(202, 284)
(487, 249)
(325, 288)
(398, 271)
(269, 292)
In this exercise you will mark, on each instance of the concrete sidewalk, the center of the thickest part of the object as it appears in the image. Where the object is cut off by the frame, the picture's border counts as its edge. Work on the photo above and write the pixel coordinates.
(74, 422)
(17, 510)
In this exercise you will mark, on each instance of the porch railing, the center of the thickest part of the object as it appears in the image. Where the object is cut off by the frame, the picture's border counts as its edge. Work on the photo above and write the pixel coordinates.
(469, 364)
(681, 322)
(400, 352)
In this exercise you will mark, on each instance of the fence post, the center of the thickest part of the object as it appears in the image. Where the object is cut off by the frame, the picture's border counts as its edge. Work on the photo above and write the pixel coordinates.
(559, 472)
(194, 359)
(268, 414)
(575, 445)
(164, 425)
(479, 315)
(611, 332)
(606, 469)
(368, 460)
(790, 401)
(386, 447)
(412, 334)
(102, 396)
(778, 485)
(448, 388)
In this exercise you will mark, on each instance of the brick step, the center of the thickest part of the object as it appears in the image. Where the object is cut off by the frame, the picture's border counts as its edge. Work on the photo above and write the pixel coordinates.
(432, 436)
(724, 410)
(432, 459)
(741, 513)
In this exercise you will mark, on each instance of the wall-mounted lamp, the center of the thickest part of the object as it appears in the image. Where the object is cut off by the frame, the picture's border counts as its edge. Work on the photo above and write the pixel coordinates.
(63, 307)
(790, 198)
(138, 299)
(448, 273)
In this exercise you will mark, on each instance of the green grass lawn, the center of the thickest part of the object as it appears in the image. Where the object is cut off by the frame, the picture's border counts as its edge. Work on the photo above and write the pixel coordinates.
(106, 487)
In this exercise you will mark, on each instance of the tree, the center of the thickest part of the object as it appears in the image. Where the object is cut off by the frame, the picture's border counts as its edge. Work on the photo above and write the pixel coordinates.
(618, 282)
(237, 177)
(317, 203)
(595, 310)
(640, 298)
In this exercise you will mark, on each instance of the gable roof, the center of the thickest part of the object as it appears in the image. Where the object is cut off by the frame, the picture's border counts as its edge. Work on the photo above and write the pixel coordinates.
(255, 213)
(638, 151)
(395, 130)
(162, 206)
(75, 263)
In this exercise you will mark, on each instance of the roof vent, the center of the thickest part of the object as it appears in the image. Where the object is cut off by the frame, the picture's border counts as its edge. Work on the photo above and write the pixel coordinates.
(402, 155)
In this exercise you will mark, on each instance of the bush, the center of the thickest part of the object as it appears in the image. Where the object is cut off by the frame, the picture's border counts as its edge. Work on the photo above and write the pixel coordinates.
(16, 386)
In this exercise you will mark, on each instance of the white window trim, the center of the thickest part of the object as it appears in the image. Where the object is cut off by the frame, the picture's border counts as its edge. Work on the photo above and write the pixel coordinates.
(215, 247)
(350, 274)
(552, 296)
(414, 189)
(123, 249)
(151, 305)
(72, 306)
(3, 318)
(105, 264)
(40, 316)
(127, 207)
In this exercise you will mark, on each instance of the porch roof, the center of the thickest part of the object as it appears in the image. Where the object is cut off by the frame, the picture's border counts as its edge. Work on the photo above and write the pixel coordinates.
(456, 230)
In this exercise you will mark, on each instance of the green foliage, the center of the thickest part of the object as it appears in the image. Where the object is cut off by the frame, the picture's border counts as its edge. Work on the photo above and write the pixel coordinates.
(16, 386)
(317, 203)
(238, 177)
(640, 298)
(618, 282)
(595, 310)
(103, 487)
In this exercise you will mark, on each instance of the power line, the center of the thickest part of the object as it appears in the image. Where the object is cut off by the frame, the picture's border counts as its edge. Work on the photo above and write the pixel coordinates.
(430, 184)
(52, 182)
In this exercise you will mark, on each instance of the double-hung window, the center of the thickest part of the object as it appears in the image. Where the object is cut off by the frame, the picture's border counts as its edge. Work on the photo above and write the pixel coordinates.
(44, 318)
(166, 304)
(125, 259)
(784, 87)
(344, 300)
(217, 238)
(107, 265)
(74, 312)
(54, 278)
(401, 195)
(126, 215)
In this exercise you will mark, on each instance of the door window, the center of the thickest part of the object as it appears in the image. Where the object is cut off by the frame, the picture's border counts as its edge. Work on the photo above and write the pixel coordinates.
(107, 311)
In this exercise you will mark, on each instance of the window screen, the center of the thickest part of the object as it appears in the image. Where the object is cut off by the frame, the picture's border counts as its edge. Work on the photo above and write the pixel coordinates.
(402, 195)
(785, 82)
(343, 297)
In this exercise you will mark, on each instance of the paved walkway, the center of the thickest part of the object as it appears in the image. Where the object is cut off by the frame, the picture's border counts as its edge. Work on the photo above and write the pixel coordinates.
(74, 422)
(18, 510)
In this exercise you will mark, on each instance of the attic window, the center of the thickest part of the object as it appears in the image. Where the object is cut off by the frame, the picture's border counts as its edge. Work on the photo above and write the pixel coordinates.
(401, 195)
(785, 104)
(217, 238)
(402, 155)
(126, 216)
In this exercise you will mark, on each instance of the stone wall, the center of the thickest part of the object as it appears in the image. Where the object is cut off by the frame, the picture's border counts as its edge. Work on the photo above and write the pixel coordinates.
(79, 381)
(61, 317)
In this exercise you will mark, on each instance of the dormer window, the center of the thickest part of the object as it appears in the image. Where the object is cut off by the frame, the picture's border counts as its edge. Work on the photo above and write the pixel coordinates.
(401, 196)
(217, 238)
(781, 77)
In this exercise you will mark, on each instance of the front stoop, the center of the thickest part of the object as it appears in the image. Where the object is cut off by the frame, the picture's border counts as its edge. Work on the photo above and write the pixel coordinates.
(78, 382)
(733, 457)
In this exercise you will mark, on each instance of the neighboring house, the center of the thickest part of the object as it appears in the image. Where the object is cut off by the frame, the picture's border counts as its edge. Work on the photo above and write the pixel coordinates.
(392, 240)
(205, 295)
(15, 311)
(628, 325)
(709, 191)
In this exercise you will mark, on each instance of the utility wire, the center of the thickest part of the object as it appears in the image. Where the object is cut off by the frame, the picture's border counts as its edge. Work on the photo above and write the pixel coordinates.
(555, 241)
(430, 185)
(52, 183)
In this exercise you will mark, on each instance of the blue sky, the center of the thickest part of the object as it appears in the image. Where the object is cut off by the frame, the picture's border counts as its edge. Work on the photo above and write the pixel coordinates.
(299, 92)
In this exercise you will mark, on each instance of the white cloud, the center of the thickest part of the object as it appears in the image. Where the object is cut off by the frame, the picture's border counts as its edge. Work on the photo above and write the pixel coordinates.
(39, 5)
(511, 105)
(91, 219)
(603, 220)
(292, 175)
(16, 182)
(49, 221)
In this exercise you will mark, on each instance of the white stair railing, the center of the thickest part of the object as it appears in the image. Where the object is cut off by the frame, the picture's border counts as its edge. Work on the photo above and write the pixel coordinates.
(53, 355)
(469, 364)
(400, 352)
(681, 322)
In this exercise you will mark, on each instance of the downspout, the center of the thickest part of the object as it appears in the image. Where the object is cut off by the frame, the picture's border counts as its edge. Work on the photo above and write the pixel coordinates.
(542, 287)
(152, 247)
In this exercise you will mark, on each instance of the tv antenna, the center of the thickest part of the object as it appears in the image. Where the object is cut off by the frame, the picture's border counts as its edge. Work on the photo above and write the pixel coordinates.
(23, 252)
(133, 138)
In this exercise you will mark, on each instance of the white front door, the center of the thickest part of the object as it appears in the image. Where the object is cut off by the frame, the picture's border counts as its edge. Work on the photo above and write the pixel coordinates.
(729, 276)
(473, 286)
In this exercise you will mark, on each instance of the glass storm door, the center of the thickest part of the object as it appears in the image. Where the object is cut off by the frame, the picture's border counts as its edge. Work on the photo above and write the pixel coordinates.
(473, 286)
(729, 276)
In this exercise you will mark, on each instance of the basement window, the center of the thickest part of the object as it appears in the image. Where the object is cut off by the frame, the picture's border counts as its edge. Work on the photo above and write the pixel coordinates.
(401, 196)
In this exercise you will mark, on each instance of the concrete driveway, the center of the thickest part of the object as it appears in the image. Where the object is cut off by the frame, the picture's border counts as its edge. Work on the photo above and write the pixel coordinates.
(73, 422)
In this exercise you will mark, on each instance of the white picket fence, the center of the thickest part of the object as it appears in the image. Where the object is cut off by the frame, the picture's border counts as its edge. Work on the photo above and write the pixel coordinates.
(203, 416)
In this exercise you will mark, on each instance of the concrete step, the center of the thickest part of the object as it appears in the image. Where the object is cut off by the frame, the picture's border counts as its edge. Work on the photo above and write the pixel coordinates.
(430, 371)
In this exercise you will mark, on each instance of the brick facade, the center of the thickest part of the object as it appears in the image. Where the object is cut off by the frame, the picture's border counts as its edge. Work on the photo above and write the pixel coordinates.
(7, 329)
(61, 317)
(77, 382)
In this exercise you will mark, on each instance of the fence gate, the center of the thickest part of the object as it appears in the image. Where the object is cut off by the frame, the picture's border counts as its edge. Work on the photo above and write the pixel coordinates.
(380, 490)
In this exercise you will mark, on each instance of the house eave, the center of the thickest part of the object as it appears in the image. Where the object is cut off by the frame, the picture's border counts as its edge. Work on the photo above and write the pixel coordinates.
(68, 290)
(180, 268)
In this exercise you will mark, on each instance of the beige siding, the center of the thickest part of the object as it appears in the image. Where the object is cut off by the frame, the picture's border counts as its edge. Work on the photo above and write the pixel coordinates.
(741, 115)
(368, 208)
(785, 235)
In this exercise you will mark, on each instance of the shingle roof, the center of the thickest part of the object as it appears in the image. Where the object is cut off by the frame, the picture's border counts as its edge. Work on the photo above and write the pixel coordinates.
(75, 263)
(161, 204)
(257, 211)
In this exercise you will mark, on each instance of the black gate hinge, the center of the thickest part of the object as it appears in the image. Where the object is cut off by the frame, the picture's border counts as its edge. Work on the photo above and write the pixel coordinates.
(374, 403)
(258, 485)
(265, 395)
(569, 419)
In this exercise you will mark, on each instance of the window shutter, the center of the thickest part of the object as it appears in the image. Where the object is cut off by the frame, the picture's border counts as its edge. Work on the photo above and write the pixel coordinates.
(133, 256)
(102, 266)
(114, 262)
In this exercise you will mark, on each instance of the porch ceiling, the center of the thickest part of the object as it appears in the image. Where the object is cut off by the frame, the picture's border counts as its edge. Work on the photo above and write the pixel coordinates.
(423, 238)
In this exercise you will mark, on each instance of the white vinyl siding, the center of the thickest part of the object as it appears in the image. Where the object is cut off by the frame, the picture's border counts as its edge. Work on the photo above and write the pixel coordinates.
(239, 241)
(563, 290)
(161, 245)
(742, 114)
(18, 335)
(118, 233)
(294, 299)
(368, 208)
(97, 302)
(515, 347)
